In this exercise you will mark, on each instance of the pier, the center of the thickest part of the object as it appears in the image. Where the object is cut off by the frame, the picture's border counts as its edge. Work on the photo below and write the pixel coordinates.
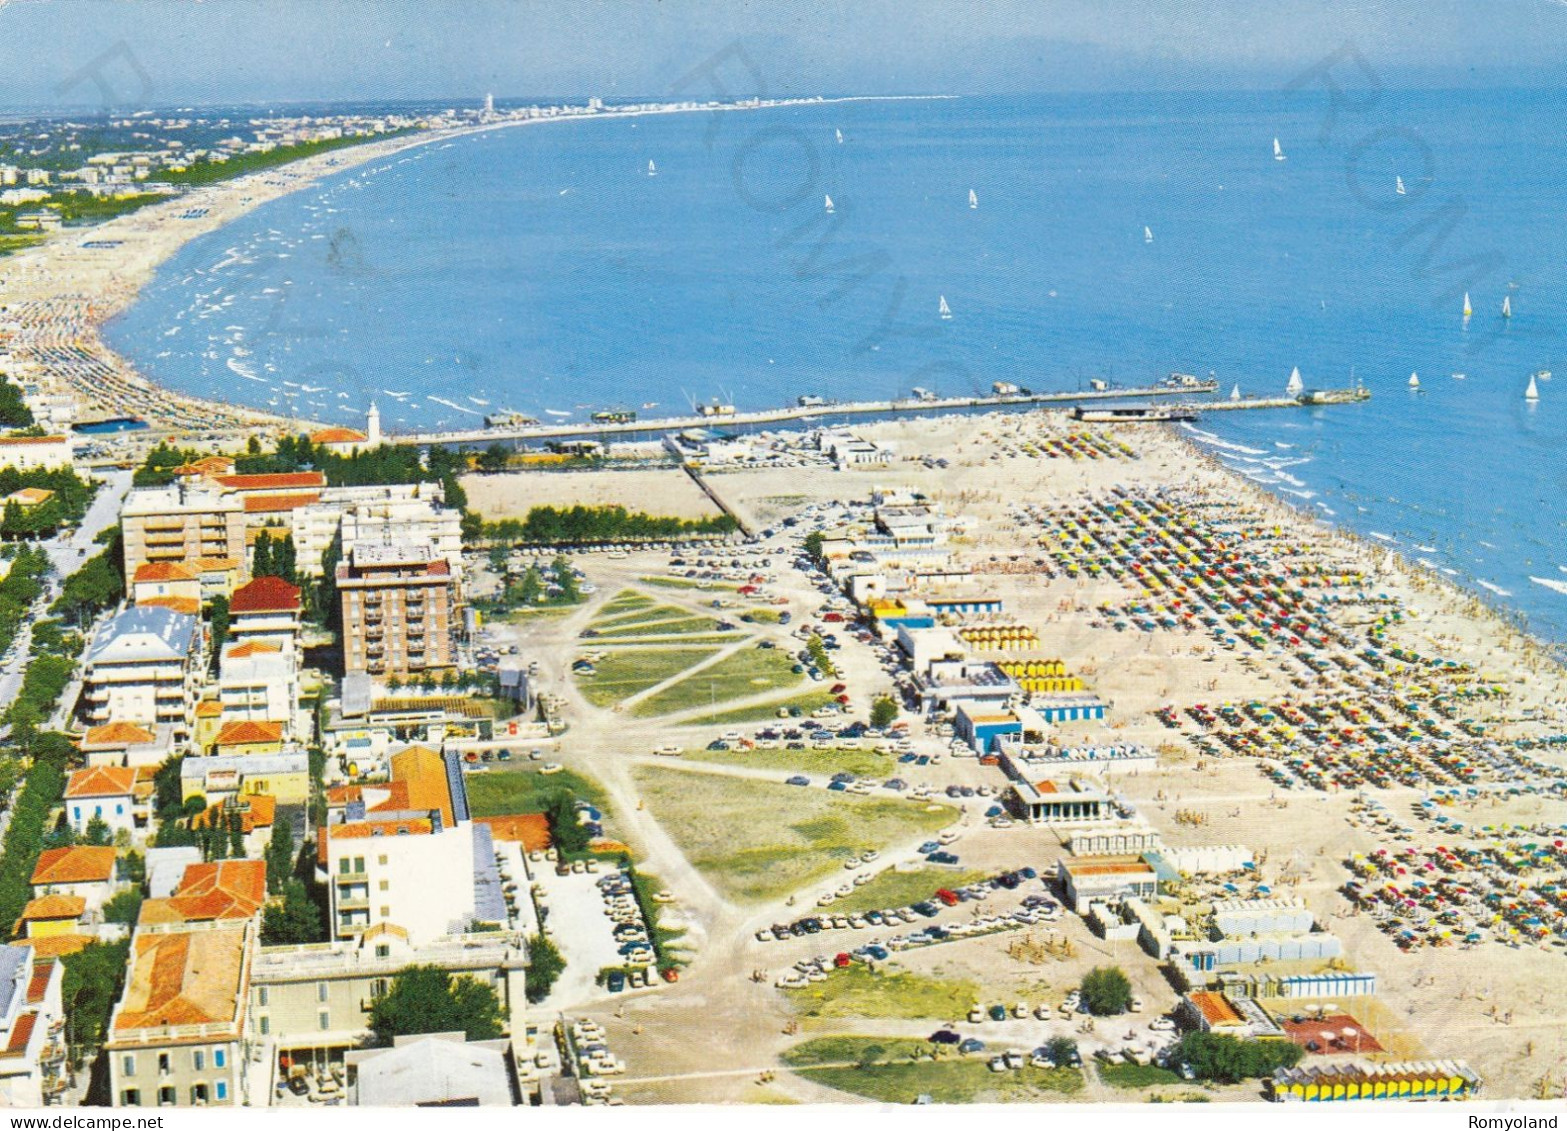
(891, 408)
(790, 414)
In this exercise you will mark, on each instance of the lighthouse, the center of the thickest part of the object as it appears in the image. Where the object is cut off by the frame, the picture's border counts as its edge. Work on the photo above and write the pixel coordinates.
(373, 426)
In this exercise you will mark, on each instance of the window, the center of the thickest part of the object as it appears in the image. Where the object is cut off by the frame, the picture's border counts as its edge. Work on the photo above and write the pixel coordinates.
(261, 998)
(130, 1098)
(321, 992)
(345, 865)
(223, 1090)
(163, 1062)
(382, 950)
(266, 1026)
(128, 1065)
(359, 863)
(198, 1060)
(378, 987)
(198, 1093)
(219, 1059)
(386, 885)
(324, 1019)
(381, 860)
(386, 912)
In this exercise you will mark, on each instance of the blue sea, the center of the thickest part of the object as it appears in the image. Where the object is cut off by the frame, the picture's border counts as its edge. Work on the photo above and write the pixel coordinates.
(543, 269)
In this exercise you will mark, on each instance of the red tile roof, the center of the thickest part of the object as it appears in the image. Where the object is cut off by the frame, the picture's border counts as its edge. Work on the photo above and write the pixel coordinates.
(266, 504)
(111, 735)
(338, 436)
(83, 864)
(247, 731)
(21, 1033)
(42, 971)
(265, 595)
(103, 781)
(226, 889)
(164, 571)
(274, 482)
(32, 440)
(54, 907)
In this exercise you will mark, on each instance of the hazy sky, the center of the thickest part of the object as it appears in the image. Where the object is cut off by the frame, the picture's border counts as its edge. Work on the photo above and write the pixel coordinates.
(176, 52)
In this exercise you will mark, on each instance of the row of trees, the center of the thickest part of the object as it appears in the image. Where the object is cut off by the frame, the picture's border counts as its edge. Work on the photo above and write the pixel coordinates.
(578, 525)
(24, 839)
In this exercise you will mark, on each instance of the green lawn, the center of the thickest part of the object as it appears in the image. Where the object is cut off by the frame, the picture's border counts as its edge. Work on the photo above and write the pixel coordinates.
(627, 600)
(681, 626)
(810, 761)
(687, 583)
(856, 992)
(505, 792)
(745, 673)
(620, 616)
(757, 841)
(1135, 1075)
(764, 712)
(900, 889)
(623, 674)
(890, 1076)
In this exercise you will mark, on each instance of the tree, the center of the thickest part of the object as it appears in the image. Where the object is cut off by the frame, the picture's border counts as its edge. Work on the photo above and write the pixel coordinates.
(297, 919)
(426, 999)
(1228, 1060)
(123, 907)
(813, 545)
(569, 835)
(883, 711)
(494, 458)
(279, 856)
(544, 967)
(166, 789)
(566, 578)
(218, 618)
(236, 831)
(531, 588)
(1106, 991)
(97, 832)
(89, 989)
(1060, 1050)
(14, 412)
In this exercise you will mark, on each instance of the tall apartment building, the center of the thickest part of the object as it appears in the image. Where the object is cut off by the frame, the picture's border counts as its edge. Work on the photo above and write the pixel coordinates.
(143, 667)
(400, 609)
(183, 522)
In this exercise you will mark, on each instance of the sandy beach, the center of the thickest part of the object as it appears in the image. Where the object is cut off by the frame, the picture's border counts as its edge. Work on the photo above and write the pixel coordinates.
(1013, 487)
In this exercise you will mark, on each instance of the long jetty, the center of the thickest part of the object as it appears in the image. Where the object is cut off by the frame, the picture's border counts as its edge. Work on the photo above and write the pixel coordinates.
(539, 431)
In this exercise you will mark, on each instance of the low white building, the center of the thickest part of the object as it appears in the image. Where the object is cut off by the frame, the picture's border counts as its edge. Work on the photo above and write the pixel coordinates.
(30, 453)
(105, 792)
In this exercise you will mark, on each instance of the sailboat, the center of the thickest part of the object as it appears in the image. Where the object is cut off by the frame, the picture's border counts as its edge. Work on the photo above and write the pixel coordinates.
(1147, 234)
(839, 135)
(1235, 393)
(973, 200)
(1296, 386)
(1278, 150)
(1532, 393)
(829, 204)
(944, 310)
(652, 169)
(1398, 185)
(1468, 310)
(1414, 380)
(1507, 306)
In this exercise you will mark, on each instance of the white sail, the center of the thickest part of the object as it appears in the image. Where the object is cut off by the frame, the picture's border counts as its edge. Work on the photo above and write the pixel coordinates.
(1468, 310)
(973, 200)
(829, 204)
(652, 169)
(839, 135)
(944, 310)
(1235, 393)
(1296, 385)
(1507, 306)
(1398, 185)
(1147, 234)
(1414, 380)
(1278, 151)
(1532, 393)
